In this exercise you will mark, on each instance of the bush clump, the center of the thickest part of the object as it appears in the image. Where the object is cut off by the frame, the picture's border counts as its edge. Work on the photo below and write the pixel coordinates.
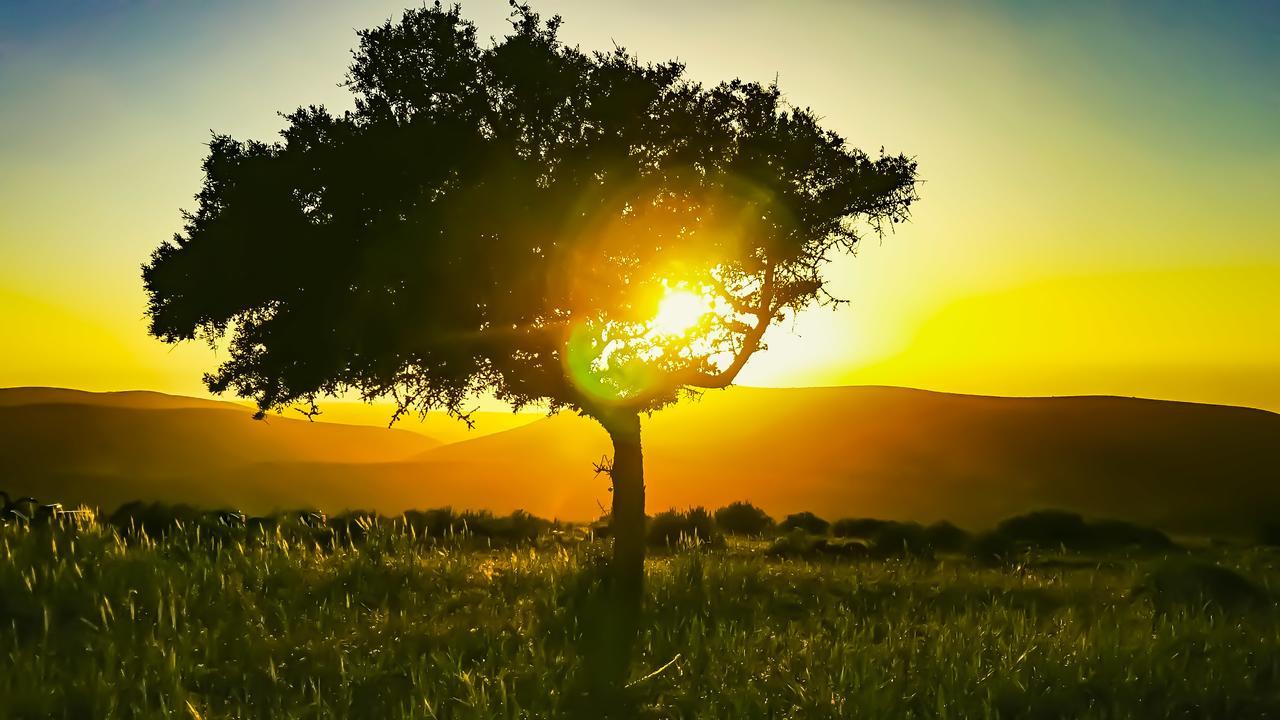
(742, 518)
(674, 527)
(944, 537)
(1180, 584)
(436, 522)
(992, 548)
(861, 528)
(1269, 534)
(518, 527)
(901, 539)
(1070, 531)
(803, 545)
(153, 518)
(806, 521)
(888, 538)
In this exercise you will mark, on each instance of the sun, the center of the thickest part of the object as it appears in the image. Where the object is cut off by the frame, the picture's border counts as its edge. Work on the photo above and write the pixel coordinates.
(678, 312)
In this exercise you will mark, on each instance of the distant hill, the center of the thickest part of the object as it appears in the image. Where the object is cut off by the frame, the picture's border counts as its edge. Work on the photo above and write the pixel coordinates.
(909, 454)
(135, 399)
(435, 425)
(858, 451)
(103, 448)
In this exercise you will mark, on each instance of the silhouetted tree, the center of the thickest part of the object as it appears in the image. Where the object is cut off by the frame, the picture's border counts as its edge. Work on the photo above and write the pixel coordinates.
(506, 220)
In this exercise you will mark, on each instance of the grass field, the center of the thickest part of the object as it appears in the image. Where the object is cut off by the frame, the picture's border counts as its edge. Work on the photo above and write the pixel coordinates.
(216, 622)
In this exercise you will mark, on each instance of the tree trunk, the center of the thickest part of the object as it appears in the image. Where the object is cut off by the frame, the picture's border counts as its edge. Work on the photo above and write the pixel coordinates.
(627, 529)
(627, 525)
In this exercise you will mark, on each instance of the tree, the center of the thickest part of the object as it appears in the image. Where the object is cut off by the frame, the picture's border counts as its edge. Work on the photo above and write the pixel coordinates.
(576, 230)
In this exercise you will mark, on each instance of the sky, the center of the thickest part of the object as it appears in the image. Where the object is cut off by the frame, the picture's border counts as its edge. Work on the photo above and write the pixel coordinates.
(1100, 212)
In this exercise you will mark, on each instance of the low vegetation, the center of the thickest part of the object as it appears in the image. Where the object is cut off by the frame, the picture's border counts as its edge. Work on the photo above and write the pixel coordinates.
(156, 611)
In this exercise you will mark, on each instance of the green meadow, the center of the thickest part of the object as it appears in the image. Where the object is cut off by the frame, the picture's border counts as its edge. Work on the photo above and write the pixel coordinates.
(381, 620)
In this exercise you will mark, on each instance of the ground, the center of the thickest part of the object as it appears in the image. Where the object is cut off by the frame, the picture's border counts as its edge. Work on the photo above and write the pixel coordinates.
(218, 622)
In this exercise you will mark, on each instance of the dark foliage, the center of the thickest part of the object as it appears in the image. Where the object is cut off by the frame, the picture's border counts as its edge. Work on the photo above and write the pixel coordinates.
(944, 537)
(437, 522)
(1045, 528)
(1269, 534)
(863, 528)
(742, 518)
(1070, 531)
(518, 527)
(1107, 534)
(1181, 584)
(805, 521)
(153, 518)
(799, 544)
(891, 537)
(675, 527)
(992, 548)
(901, 539)
(353, 526)
(488, 216)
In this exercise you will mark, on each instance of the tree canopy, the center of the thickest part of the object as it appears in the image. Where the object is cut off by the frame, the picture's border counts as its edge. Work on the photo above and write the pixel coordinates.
(522, 219)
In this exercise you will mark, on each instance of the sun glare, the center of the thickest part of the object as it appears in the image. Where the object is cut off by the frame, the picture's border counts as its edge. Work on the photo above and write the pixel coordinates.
(678, 311)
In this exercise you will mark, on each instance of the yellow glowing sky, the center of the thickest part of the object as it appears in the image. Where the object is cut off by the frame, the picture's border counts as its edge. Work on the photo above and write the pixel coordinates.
(1101, 211)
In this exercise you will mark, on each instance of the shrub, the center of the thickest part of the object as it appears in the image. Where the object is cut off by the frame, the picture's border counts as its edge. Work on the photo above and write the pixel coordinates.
(891, 537)
(1055, 528)
(1045, 528)
(603, 526)
(518, 527)
(153, 518)
(807, 522)
(436, 522)
(1269, 534)
(863, 528)
(1178, 584)
(673, 527)
(801, 544)
(1108, 534)
(992, 548)
(945, 537)
(797, 544)
(898, 538)
(742, 518)
(352, 526)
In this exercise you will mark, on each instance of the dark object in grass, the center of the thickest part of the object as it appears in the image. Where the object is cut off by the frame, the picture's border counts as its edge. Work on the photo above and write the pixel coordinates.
(1182, 583)
(742, 518)
(805, 521)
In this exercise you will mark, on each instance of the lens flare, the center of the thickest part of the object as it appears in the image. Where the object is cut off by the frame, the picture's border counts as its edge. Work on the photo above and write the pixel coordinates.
(678, 312)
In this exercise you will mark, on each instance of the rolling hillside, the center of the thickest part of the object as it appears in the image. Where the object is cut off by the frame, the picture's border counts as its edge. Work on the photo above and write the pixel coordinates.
(885, 452)
(104, 447)
(899, 453)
